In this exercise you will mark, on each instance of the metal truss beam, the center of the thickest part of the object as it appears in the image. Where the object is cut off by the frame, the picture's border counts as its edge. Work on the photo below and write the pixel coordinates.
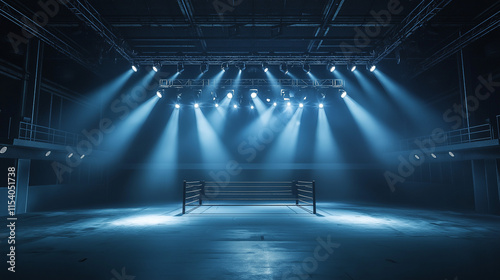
(330, 12)
(253, 59)
(26, 22)
(423, 13)
(88, 14)
(187, 10)
(201, 83)
(478, 31)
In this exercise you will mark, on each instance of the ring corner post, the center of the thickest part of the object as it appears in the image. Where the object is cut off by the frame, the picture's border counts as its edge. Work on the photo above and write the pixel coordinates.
(184, 198)
(202, 192)
(295, 191)
(314, 197)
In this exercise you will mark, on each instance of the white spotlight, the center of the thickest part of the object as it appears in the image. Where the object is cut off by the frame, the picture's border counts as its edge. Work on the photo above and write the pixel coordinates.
(353, 67)
(252, 107)
(321, 105)
(417, 157)
(196, 105)
(48, 153)
(156, 67)
(177, 106)
(3, 150)
(268, 100)
(433, 155)
(344, 94)
(275, 104)
(265, 66)
(135, 68)
(288, 104)
(451, 154)
(372, 68)
(229, 95)
(331, 67)
(158, 93)
(82, 156)
(301, 105)
(253, 95)
(216, 105)
(235, 106)
(70, 155)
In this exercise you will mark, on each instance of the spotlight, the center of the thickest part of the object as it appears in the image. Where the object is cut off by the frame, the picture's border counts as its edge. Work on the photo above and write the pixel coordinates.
(196, 105)
(235, 106)
(241, 66)
(3, 150)
(321, 105)
(177, 106)
(371, 67)
(224, 66)
(330, 67)
(288, 104)
(275, 104)
(180, 67)
(156, 67)
(417, 157)
(230, 94)
(158, 93)
(251, 107)
(216, 105)
(284, 68)
(48, 153)
(135, 67)
(301, 105)
(268, 100)
(351, 67)
(343, 93)
(265, 66)
(451, 154)
(82, 156)
(306, 67)
(253, 93)
(204, 68)
(433, 155)
(70, 155)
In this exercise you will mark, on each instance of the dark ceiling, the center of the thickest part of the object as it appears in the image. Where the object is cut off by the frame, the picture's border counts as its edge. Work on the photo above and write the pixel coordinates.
(152, 30)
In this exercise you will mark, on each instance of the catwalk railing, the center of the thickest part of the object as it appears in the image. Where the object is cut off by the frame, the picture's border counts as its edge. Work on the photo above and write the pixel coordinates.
(274, 193)
(39, 133)
(476, 133)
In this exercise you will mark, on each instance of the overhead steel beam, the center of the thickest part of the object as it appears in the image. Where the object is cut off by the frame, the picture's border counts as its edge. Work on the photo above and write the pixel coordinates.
(187, 10)
(253, 59)
(484, 27)
(423, 13)
(303, 83)
(88, 14)
(18, 15)
(330, 12)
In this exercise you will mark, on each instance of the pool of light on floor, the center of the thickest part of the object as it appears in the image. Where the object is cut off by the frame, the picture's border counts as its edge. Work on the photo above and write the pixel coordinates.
(144, 220)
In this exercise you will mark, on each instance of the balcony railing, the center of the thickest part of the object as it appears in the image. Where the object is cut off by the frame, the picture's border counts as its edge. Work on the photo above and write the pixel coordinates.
(38, 133)
(460, 136)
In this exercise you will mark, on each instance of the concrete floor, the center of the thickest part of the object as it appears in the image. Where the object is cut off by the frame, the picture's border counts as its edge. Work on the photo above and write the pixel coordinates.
(343, 241)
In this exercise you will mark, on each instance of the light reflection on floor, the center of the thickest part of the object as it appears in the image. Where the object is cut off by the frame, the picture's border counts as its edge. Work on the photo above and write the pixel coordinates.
(265, 242)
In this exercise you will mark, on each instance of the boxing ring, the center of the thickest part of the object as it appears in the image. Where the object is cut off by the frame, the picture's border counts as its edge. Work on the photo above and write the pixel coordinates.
(249, 193)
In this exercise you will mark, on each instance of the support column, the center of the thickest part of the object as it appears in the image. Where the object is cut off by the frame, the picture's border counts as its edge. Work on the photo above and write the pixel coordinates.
(23, 177)
(486, 186)
(31, 85)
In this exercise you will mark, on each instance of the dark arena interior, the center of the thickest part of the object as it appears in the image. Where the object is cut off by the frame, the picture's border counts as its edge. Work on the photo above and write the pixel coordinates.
(250, 139)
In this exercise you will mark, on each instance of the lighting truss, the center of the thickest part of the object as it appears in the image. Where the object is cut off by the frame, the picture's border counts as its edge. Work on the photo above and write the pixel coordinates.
(254, 83)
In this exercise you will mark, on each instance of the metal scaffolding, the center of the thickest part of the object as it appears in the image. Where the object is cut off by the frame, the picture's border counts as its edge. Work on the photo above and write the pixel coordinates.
(88, 14)
(304, 83)
(16, 15)
(478, 31)
(423, 13)
(253, 59)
